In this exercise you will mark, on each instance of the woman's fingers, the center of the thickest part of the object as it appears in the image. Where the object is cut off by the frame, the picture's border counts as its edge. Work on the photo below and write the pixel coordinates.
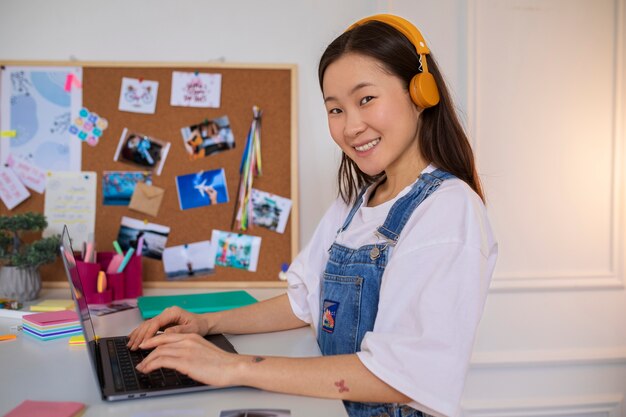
(150, 327)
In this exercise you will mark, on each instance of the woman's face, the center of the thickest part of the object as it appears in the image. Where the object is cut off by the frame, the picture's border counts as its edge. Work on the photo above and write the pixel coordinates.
(371, 115)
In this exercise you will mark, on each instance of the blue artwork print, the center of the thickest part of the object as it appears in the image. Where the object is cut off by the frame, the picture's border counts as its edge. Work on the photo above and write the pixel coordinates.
(201, 189)
(118, 186)
(36, 106)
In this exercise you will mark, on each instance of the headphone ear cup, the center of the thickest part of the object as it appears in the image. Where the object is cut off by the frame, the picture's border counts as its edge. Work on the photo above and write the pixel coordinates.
(423, 90)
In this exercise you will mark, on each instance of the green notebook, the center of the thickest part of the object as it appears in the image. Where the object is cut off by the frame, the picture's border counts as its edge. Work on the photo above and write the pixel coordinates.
(152, 305)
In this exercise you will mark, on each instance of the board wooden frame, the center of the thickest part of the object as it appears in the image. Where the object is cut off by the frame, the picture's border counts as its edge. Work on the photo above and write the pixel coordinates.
(53, 275)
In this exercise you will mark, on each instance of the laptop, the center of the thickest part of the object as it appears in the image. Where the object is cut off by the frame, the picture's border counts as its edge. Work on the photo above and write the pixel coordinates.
(113, 363)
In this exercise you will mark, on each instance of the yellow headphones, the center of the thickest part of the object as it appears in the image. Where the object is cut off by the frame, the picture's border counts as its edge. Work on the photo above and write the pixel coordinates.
(423, 88)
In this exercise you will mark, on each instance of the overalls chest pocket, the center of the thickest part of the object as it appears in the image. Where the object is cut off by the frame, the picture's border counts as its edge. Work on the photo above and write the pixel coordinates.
(340, 301)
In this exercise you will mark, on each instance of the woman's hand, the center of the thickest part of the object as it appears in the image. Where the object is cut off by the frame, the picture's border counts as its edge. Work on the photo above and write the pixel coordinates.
(191, 355)
(172, 320)
(212, 193)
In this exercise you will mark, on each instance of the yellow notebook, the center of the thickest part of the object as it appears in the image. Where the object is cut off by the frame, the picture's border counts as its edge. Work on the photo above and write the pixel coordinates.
(53, 305)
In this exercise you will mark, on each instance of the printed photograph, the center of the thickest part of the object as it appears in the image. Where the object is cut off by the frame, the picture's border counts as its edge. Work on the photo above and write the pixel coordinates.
(118, 186)
(114, 307)
(188, 261)
(142, 150)
(256, 412)
(154, 237)
(208, 138)
(269, 210)
(235, 250)
(204, 188)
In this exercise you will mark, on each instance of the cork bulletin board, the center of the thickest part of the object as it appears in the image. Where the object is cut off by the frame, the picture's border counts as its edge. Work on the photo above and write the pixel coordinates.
(270, 87)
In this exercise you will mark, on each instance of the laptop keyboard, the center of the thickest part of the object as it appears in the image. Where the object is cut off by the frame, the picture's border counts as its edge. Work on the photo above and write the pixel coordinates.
(127, 378)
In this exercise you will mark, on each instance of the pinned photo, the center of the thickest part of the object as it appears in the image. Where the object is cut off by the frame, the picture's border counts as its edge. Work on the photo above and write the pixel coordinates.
(189, 260)
(204, 188)
(269, 210)
(118, 186)
(138, 96)
(256, 412)
(235, 250)
(141, 150)
(208, 138)
(152, 237)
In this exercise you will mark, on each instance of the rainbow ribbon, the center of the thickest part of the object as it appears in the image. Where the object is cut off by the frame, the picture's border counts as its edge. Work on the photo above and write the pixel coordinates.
(250, 167)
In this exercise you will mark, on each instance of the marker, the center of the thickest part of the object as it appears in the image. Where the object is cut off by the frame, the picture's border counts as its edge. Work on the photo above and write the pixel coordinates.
(102, 282)
(117, 248)
(126, 259)
(7, 337)
(140, 246)
(88, 252)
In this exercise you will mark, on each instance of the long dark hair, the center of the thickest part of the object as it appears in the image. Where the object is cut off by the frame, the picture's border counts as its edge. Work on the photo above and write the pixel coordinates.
(442, 139)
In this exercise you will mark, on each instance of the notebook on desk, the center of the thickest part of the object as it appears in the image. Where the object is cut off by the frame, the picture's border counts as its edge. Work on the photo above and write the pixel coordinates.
(151, 305)
(112, 362)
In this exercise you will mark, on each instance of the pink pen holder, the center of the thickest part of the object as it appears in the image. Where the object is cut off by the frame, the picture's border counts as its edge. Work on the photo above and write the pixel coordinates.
(125, 284)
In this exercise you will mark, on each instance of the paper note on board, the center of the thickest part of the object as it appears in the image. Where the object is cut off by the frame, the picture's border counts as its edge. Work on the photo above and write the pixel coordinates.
(70, 200)
(138, 95)
(191, 89)
(12, 191)
(30, 175)
(39, 103)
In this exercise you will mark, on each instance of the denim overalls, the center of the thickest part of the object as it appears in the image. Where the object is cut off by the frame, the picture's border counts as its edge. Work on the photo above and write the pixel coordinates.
(351, 286)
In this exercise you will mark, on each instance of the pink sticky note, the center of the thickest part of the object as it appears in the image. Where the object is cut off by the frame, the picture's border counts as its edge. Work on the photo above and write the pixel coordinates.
(72, 81)
(46, 409)
(51, 318)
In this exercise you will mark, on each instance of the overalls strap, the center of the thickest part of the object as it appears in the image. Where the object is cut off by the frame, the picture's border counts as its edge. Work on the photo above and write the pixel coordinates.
(426, 185)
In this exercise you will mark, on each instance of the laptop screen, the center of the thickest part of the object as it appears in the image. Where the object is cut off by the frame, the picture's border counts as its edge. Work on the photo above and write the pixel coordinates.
(69, 261)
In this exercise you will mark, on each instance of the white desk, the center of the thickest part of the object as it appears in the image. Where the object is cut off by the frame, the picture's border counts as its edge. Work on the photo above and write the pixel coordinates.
(55, 371)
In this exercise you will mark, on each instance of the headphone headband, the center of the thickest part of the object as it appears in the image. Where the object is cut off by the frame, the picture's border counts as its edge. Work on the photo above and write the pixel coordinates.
(422, 87)
(402, 25)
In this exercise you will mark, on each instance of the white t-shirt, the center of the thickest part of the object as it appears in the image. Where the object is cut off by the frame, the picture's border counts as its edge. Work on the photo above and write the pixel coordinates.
(432, 293)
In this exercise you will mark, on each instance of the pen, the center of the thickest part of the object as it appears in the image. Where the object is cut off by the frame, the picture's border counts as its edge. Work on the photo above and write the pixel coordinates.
(126, 259)
(7, 337)
(117, 247)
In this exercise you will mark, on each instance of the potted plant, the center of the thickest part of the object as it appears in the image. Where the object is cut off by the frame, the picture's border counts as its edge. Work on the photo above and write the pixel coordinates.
(19, 274)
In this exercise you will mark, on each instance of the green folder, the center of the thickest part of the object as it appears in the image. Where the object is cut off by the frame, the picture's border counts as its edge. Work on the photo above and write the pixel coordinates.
(152, 305)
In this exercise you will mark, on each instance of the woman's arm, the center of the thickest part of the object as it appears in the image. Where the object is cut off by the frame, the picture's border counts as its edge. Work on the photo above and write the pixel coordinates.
(340, 376)
(270, 315)
(266, 316)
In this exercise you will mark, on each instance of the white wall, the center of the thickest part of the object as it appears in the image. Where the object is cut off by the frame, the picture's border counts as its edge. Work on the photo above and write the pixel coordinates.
(540, 85)
(543, 85)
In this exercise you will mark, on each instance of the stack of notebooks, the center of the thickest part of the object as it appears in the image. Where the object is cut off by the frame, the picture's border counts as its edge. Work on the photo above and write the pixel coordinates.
(51, 325)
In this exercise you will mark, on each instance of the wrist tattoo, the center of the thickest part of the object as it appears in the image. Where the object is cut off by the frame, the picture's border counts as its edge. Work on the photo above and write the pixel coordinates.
(257, 359)
(342, 386)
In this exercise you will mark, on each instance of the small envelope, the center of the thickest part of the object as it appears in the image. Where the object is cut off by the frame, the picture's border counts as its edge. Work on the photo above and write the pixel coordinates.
(146, 199)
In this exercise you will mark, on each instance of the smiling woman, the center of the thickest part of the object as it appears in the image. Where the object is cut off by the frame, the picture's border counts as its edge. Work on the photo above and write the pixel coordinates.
(395, 277)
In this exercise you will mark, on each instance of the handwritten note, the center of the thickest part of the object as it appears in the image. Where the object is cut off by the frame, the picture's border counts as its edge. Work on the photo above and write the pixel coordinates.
(30, 175)
(70, 200)
(12, 191)
(196, 89)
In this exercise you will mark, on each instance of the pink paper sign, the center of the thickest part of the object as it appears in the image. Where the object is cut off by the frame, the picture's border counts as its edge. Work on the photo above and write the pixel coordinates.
(12, 191)
(30, 175)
